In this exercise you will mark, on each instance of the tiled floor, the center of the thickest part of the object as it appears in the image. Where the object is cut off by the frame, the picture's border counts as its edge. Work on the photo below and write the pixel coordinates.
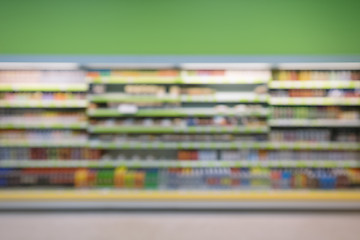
(173, 226)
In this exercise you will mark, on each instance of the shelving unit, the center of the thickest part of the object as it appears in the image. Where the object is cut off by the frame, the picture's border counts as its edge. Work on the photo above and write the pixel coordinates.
(42, 114)
(182, 106)
(316, 105)
(235, 145)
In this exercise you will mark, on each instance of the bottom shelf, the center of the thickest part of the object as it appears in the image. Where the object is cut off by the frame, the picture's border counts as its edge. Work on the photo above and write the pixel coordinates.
(139, 200)
(181, 195)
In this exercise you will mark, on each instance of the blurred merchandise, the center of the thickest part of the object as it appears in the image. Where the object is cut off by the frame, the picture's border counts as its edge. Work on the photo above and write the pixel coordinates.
(303, 75)
(180, 129)
(187, 178)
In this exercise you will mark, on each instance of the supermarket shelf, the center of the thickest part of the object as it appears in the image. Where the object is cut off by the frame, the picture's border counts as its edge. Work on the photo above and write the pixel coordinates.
(324, 84)
(195, 112)
(46, 87)
(216, 98)
(42, 144)
(226, 145)
(176, 129)
(43, 104)
(177, 163)
(43, 126)
(124, 98)
(158, 195)
(314, 101)
(313, 123)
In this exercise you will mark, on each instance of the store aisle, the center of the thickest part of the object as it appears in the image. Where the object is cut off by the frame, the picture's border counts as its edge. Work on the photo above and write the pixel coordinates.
(133, 226)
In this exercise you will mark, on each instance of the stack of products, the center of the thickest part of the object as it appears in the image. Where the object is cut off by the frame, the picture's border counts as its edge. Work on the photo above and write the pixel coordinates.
(114, 74)
(184, 75)
(139, 105)
(295, 155)
(232, 74)
(316, 75)
(225, 155)
(207, 155)
(43, 96)
(173, 91)
(314, 135)
(49, 154)
(37, 76)
(336, 93)
(121, 138)
(43, 135)
(37, 116)
(231, 155)
(323, 112)
(182, 122)
(238, 178)
(187, 178)
(37, 177)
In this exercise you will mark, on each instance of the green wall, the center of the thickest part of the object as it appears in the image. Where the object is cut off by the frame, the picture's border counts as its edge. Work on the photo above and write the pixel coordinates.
(180, 27)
